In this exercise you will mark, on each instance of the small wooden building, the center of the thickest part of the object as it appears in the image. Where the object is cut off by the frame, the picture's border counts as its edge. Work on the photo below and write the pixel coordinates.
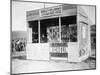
(58, 33)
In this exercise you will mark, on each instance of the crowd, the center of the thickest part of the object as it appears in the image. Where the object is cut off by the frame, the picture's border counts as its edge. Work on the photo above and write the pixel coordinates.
(18, 45)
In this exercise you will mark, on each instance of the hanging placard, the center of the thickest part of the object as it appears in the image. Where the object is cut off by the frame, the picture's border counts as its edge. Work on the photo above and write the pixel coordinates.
(50, 11)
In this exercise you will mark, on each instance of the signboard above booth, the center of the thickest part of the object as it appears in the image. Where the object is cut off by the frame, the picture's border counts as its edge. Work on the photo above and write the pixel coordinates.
(50, 11)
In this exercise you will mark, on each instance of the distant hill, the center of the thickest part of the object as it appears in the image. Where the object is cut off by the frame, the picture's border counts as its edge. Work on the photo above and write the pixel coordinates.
(19, 35)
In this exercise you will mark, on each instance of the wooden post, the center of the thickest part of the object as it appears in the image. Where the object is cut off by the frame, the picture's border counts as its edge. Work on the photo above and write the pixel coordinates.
(60, 29)
(39, 30)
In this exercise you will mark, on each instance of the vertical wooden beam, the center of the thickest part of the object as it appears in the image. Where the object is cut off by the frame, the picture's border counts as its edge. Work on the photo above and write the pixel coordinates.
(29, 35)
(39, 30)
(60, 29)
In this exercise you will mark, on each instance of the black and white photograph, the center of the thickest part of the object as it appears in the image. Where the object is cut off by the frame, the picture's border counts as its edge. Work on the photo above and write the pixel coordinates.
(52, 37)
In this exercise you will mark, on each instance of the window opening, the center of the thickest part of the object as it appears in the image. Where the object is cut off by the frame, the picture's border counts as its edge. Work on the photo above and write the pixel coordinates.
(68, 29)
(49, 30)
(34, 26)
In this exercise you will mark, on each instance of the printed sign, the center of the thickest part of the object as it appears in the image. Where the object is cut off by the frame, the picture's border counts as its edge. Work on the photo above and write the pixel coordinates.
(50, 11)
(58, 44)
(59, 47)
(53, 33)
(58, 50)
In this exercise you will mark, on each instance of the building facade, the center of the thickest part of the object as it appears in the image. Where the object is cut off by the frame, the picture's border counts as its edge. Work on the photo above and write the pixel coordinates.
(58, 33)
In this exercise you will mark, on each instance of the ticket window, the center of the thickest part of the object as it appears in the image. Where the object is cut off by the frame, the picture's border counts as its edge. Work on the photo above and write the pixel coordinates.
(49, 30)
(34, 26)
(68, 29)
(52, 24)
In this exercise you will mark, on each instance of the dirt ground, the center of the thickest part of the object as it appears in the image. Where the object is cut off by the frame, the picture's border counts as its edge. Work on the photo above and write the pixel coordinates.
(30, 66)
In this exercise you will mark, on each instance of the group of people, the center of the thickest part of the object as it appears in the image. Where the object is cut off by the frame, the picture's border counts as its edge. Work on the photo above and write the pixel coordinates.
(18, 45)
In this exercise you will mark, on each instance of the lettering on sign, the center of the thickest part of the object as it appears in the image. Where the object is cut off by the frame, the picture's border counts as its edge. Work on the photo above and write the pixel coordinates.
(59, 49)
(50, 11)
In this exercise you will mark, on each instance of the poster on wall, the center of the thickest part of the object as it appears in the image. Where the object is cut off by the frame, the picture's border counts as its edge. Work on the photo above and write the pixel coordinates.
(43, 30)
(53, 33)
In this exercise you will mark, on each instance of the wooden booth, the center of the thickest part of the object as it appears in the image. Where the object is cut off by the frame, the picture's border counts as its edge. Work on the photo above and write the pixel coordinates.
(58, 33)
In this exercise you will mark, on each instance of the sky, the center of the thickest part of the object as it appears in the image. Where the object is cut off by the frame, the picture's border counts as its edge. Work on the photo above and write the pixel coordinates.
(19, 13)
